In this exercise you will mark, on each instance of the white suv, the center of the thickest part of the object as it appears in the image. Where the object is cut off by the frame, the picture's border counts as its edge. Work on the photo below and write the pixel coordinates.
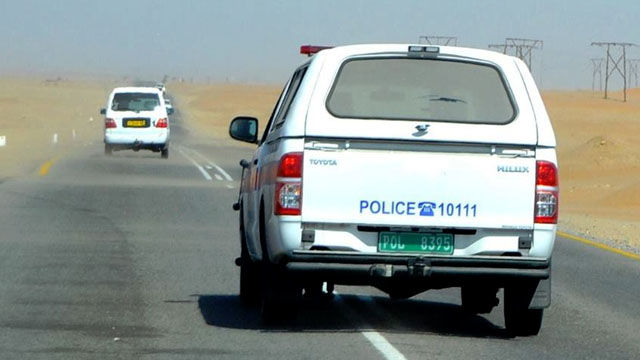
(407, 168)
(136, 118)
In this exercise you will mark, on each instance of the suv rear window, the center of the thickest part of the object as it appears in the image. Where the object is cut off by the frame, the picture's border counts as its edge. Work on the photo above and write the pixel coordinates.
(421, 89)
(135, 102)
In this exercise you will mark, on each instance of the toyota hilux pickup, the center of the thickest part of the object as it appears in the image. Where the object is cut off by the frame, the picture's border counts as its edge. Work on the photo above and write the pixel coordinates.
(406, 168)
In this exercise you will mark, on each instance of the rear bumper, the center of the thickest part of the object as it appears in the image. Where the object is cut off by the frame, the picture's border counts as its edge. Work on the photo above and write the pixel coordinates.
(440, 271)
(159, 138)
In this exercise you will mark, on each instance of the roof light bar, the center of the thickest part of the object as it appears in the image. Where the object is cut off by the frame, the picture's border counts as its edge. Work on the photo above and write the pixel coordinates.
(312, 49)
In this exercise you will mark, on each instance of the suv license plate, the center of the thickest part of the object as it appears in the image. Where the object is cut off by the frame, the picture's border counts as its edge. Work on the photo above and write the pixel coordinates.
(136, 123)
(424, 243)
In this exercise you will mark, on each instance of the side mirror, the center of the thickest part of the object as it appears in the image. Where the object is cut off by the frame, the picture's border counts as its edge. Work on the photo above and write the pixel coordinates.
(245, 129)
(169, 111)
(103, 111)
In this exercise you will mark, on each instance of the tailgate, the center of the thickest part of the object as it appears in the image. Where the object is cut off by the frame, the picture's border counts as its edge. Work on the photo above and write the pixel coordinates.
(418, 185)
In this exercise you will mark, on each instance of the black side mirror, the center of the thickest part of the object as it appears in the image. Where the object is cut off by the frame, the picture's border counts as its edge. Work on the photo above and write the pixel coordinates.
(244, 128)
(169, 111)
(103, 111)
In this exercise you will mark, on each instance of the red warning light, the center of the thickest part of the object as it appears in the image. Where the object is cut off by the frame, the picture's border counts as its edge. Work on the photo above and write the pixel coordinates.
(312, 49)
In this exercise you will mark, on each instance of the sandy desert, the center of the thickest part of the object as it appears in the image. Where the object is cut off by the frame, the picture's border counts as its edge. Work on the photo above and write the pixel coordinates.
(598, 150)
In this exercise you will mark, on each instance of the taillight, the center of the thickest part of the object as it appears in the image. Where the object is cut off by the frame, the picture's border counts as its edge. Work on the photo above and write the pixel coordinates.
(162, 123)
(546, 207)
(288, 194)
(109, 123)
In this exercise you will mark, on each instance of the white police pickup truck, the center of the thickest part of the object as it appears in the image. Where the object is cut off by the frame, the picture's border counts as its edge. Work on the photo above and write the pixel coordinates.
(407, 168)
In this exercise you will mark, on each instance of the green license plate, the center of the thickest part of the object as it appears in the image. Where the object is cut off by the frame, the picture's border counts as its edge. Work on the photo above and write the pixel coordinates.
(136, 123)
(424, 243)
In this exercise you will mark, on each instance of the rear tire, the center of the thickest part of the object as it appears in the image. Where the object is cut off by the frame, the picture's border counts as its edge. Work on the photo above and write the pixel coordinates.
(279, 292)
(249, 281)
(477, 299)
(518, 318)
(165, 153)
(108, 150)
(249, 272)
(278, 297)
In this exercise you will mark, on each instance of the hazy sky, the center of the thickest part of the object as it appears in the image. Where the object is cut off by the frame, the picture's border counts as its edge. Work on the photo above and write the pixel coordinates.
(258, 41)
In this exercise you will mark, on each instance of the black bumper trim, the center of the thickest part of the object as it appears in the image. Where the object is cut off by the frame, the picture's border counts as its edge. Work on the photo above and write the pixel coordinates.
(371, 266)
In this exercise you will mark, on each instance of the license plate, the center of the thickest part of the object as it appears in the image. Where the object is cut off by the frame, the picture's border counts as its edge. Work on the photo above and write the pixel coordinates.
(136, 123)
(424, 243)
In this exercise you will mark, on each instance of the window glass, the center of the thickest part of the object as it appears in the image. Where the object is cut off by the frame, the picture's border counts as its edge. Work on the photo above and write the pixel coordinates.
(421, 89)
(135, 102)
(291, 93)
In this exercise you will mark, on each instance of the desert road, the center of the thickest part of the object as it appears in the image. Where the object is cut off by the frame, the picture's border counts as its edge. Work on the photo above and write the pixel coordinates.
(132, 257)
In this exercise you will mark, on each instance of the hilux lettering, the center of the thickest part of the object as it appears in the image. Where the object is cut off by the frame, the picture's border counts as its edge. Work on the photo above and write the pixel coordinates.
(513, 169)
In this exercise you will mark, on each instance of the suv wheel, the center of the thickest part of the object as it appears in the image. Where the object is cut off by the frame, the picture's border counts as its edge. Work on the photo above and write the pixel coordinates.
(165, 153)
(518, 318)
(478, 300)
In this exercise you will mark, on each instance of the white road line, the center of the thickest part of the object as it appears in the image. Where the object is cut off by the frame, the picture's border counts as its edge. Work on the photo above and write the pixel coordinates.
(376, 339)
(218, 177)
(202, 170)
(383, 346)
(211, 163)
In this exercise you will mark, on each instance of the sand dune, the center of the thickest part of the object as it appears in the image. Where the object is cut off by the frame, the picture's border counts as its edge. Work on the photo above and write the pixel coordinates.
(598, 150)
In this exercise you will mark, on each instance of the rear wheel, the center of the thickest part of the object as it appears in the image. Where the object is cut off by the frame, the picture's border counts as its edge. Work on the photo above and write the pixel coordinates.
(249, 280)
(249, 272)
(518, 318)
(165, 153)
(477, 299)
(108, 149)
(279, 292)
(278, 296)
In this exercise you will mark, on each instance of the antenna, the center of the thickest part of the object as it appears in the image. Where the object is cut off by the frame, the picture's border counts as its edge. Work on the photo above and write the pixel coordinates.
(520, 48)
(614, 64)
(597, 71)
(438, 40)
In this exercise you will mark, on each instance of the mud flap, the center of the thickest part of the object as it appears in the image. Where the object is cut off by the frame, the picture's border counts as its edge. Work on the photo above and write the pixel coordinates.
(542, 296)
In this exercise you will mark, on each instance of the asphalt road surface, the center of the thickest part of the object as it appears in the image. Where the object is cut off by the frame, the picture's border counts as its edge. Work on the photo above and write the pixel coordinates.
(132, 257)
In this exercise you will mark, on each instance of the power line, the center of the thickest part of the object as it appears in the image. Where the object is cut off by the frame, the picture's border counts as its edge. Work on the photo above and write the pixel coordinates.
(520, 48)
(632, 71)
(596, 71)
(438, 40)
(615, 64)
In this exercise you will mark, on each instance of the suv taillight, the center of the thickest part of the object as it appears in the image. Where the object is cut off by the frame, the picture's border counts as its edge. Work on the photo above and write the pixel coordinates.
(546, 207)
(162, 123)
(109, 123)
(288, 195)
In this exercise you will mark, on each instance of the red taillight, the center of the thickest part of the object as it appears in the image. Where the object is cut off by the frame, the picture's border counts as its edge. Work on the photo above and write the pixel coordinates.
(109, 123)
(288, 192)
(546, 174)
(546, 207)
(311, 49)
(290, 165)
(162, 123)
